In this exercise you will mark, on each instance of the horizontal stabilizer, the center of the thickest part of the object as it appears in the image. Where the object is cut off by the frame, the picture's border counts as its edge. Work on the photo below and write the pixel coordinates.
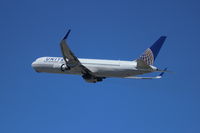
(165, 70)
(142, 65)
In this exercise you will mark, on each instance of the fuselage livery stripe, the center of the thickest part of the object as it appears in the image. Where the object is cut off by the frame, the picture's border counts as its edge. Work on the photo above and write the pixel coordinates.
(100, 64)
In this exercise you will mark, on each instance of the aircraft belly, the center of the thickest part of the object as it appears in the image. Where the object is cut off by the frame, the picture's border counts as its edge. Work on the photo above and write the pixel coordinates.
(115, 71)
(54, 68)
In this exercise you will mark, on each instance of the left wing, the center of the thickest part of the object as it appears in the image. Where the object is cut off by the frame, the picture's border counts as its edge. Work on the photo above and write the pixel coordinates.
(68, 56)
(70, 59)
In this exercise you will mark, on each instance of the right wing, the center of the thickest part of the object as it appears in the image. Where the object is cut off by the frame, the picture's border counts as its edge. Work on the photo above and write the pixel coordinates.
(70, 59)
(133, 77)
(156, 77)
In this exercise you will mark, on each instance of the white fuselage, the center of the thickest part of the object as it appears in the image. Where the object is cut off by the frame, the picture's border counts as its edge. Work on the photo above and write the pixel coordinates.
(101, 68)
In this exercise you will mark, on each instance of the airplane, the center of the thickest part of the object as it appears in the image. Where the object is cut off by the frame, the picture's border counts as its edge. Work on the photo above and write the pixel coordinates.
(96, 70)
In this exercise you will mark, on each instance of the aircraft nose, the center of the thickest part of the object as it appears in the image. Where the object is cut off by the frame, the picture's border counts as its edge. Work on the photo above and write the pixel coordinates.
(34, 64)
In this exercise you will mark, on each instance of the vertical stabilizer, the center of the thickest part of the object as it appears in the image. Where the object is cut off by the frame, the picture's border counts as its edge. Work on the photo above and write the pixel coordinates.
(151, 53)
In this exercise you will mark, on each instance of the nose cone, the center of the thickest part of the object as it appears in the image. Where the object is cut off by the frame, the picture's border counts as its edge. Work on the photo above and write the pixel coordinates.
(35, 66)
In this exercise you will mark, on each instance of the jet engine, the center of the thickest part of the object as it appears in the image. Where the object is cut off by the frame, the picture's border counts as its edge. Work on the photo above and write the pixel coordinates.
(91, 79)
(64, 67)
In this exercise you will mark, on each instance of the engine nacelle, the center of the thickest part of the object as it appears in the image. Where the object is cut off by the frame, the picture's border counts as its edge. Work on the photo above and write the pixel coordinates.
(91, 79)
(64, 67)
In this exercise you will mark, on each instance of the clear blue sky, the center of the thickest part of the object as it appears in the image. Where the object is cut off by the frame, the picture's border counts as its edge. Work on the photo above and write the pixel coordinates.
(107, 29)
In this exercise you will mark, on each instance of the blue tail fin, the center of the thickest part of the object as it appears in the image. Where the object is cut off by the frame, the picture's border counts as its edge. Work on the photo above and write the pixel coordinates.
(151, 53)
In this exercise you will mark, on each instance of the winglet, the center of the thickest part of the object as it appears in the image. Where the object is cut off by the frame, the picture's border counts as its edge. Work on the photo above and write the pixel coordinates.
(67, 34)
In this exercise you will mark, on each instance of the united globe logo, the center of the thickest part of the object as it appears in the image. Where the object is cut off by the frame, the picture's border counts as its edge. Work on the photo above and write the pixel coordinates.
(147, 57)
